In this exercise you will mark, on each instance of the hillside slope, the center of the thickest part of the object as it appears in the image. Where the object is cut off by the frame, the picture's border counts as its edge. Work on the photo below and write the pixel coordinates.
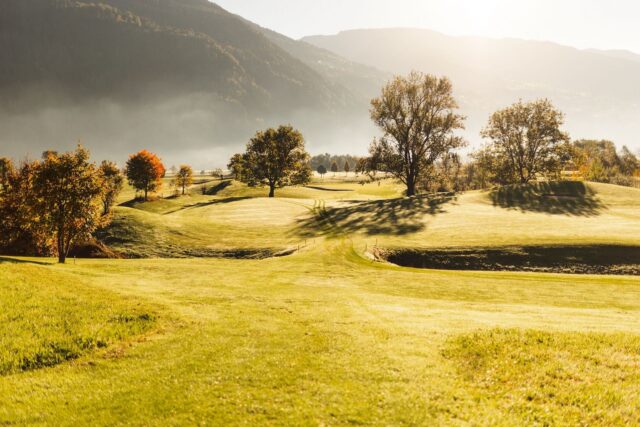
(180, 76)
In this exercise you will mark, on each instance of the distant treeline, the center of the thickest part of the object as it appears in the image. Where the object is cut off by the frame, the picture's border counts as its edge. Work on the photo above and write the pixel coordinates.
(327, 160)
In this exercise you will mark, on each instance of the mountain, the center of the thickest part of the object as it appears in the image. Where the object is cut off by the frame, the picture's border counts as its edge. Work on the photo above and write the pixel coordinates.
(182, 77)
(620, 54)
(598, 91)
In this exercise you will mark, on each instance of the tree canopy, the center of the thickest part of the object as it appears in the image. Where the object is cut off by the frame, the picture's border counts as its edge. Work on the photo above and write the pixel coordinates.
(526, 140)
(276, 158)
(236, 166)
(334, 167)
(417, 117)
(184, 178)
(145, 171)
(112, 182)
(68, 188)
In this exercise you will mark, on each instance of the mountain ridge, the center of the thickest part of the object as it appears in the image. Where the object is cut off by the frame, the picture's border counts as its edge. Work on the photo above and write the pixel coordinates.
(600, 94)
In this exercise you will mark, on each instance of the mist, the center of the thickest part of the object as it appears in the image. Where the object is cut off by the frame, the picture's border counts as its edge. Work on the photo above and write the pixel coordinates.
(199, 129)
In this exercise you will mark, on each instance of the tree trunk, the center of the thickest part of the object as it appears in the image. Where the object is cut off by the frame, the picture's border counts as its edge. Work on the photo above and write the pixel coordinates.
(411, 188)
(62, 255)
(145, 194)
(272, 191)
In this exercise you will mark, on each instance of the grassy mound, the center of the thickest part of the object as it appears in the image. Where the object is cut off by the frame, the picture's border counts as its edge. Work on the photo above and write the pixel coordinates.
(542, 378)
(47, 317)
(565, 213)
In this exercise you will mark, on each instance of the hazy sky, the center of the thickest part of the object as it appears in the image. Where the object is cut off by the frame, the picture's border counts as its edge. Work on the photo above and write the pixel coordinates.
(605, 24)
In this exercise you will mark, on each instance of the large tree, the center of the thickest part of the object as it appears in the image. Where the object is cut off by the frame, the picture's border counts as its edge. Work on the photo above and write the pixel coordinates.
(276, 157)
(145, 171)
(417, 115)
(526, 140)
(69, 189)
(184, 178)
(112, 183)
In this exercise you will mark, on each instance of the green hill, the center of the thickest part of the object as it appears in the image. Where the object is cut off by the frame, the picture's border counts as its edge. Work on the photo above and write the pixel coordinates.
(326, 335)
(239, 217)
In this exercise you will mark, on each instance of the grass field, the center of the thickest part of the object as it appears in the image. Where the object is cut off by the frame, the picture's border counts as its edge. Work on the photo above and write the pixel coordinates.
(326, 336)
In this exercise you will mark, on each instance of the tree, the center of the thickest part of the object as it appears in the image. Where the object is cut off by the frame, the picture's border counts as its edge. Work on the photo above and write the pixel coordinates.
(321, 170)
(217, 173)
(21, 225)
(526, 140)
(69, 189)
(276, 157)
(184, 178)
(629, 163)
(145, 171)
(347, 168)
(6, 169)
(334, 168)
(236, 166)
(417, 116)
(112, 183)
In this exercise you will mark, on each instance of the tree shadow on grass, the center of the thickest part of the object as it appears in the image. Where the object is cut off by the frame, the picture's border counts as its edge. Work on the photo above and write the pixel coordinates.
(8, 260)
(209, 203)
(213, 191)
(557, 198)
(335, 190)
(395, 217)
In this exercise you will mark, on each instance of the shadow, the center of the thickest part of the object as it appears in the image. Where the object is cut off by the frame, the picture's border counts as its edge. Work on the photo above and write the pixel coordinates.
(209, 203)
(338, 190)
(217, 188)
(575, 259)
(557, 198)
(394, 216)
(8, 260)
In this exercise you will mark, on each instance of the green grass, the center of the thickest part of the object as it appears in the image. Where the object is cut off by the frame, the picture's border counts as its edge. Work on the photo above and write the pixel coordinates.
(326, 336)
(44, 321)
(543, 378)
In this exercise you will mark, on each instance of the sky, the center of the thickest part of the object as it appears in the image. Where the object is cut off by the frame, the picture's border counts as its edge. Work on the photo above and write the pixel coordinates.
(601, 24)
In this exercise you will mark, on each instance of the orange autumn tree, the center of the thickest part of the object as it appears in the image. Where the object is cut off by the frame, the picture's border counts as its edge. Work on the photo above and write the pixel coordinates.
(145, 171)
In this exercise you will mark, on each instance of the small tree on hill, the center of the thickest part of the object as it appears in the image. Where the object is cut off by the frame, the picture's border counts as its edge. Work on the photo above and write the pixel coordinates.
(276, 157)
(217, 173)
(69, 190)
(145, 171)
(418, 116)
(322, 171)
(334, 168)
(526, 140)
(347, 168)
(112, 183)
(184, 178)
